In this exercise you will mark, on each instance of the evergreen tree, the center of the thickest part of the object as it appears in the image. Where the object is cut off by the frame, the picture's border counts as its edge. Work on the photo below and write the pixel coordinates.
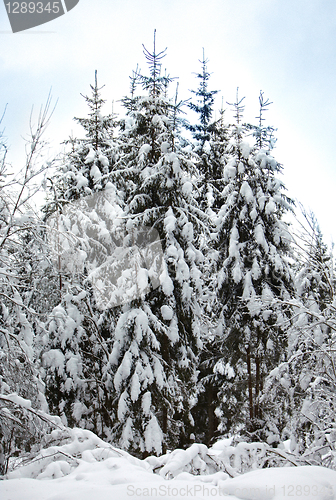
(85, 168)
(80, 213)
(76, 349)
(211, 142)
(253, 279)
(159, 331)
(203, 107)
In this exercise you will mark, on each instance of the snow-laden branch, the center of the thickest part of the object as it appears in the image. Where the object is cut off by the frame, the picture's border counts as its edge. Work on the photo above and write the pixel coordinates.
(25, 404)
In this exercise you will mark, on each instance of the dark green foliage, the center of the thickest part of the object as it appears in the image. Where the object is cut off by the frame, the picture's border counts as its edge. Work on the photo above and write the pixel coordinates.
(203, 107)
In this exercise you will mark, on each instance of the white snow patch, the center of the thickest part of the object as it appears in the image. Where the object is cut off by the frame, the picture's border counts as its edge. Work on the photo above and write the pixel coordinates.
(91, 156)
(55, 360)
(153, 436)
(245, 149)
(270, 207)
(166, 283)
(15, 398)
(170, 221)
(87, 468)
(229, 172)
(237, 273)
(146, 402)
(187, 188)
(103, 160)
(260, 237)
(234, 238)
(167, 312)
(247, 192)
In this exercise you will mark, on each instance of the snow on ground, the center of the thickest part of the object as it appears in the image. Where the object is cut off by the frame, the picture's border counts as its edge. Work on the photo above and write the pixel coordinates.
(116, 478)
(105, 473)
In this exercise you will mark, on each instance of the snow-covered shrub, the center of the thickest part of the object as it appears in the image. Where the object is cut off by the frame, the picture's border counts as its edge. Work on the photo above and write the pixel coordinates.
(232, 459)
(299, 394)
(63, 451)
(23, 260)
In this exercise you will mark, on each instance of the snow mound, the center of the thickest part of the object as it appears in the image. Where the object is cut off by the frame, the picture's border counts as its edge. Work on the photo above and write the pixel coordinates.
(78, 465)
(309, 482)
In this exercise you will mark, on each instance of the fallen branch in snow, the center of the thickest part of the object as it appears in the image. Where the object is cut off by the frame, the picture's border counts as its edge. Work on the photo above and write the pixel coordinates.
(227, 468)
(282, 455)
(29, 461)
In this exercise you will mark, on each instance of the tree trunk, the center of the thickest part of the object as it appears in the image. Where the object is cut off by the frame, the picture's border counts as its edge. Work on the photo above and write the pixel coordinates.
(211, 416)
(249, 372)
(258, 388)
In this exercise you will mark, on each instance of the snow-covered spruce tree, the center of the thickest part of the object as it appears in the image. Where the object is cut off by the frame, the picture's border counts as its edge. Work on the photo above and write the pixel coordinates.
(211, 140)
(300, 393)
(211, 147)
(87, 162)
(80, 328)
(203, 107)
(253, 271)
(154, 359)
(80, 210)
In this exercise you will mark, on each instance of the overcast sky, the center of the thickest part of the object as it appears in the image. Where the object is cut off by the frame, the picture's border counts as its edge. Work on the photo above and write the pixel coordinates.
(287, 48)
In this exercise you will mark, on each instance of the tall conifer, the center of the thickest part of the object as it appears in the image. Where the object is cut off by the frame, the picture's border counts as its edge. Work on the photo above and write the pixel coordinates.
(161, 195)
(253, 272)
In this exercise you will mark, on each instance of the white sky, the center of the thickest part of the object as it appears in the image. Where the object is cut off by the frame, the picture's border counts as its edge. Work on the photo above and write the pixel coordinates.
(287, 48)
